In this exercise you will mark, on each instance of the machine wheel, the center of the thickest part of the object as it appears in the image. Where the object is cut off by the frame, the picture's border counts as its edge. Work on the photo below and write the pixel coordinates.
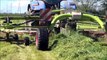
(26, 39)
(42, 39)
(7, 36)
(57, 30)
(16, 37)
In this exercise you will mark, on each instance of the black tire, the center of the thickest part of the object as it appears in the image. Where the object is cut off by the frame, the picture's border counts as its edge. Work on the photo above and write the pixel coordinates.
(72, 25)
(11, 38)
(61, 25)
(42, 39)
(57, 30)
(7, 36)
(26, 39)
(16, 37)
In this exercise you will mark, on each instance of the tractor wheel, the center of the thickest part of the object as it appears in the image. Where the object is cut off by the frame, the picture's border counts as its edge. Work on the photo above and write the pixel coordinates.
(26, 39)
(57, 30)
(7, 36)
(16, 37)
(42, 39)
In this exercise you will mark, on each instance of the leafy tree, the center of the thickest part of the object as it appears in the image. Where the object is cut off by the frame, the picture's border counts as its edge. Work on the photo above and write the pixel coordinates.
(105, 4)
(86, 5)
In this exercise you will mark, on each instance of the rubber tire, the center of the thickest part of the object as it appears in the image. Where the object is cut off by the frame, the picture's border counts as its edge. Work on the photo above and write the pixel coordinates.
(16, 37)
(26, 39)
(42, 39)
(7, 36)
(57, 30)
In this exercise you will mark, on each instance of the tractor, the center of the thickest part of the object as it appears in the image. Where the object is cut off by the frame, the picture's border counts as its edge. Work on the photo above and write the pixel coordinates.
(41, 18)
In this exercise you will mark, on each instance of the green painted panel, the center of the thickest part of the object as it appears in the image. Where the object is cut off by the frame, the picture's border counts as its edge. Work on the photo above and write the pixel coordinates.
(62, 16)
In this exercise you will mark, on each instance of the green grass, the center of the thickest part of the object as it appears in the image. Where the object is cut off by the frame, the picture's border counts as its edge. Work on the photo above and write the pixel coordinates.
(66, 47)
(13, 52)
(78, 47)
(8, 51)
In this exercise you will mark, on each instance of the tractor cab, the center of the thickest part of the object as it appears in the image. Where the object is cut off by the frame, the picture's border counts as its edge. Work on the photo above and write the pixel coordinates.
(67, 6)
(35, 6)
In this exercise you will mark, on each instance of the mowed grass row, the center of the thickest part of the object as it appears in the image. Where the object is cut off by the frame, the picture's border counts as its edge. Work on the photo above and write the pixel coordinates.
(63, 47)
(69, 46)
(8, 51)
(77, 47)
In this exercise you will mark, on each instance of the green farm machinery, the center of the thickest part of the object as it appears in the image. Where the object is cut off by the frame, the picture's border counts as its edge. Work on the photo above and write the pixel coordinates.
(40, 29)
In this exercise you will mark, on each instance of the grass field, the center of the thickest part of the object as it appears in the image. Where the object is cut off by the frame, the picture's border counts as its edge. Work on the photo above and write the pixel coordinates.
(14, 52)
(78, 47)
(62, 47)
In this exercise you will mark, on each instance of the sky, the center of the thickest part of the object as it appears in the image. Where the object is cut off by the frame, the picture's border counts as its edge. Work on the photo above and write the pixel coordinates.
(13, 6)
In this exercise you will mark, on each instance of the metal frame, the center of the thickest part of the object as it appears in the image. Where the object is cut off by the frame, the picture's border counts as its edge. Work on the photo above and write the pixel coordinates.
(62, 16)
